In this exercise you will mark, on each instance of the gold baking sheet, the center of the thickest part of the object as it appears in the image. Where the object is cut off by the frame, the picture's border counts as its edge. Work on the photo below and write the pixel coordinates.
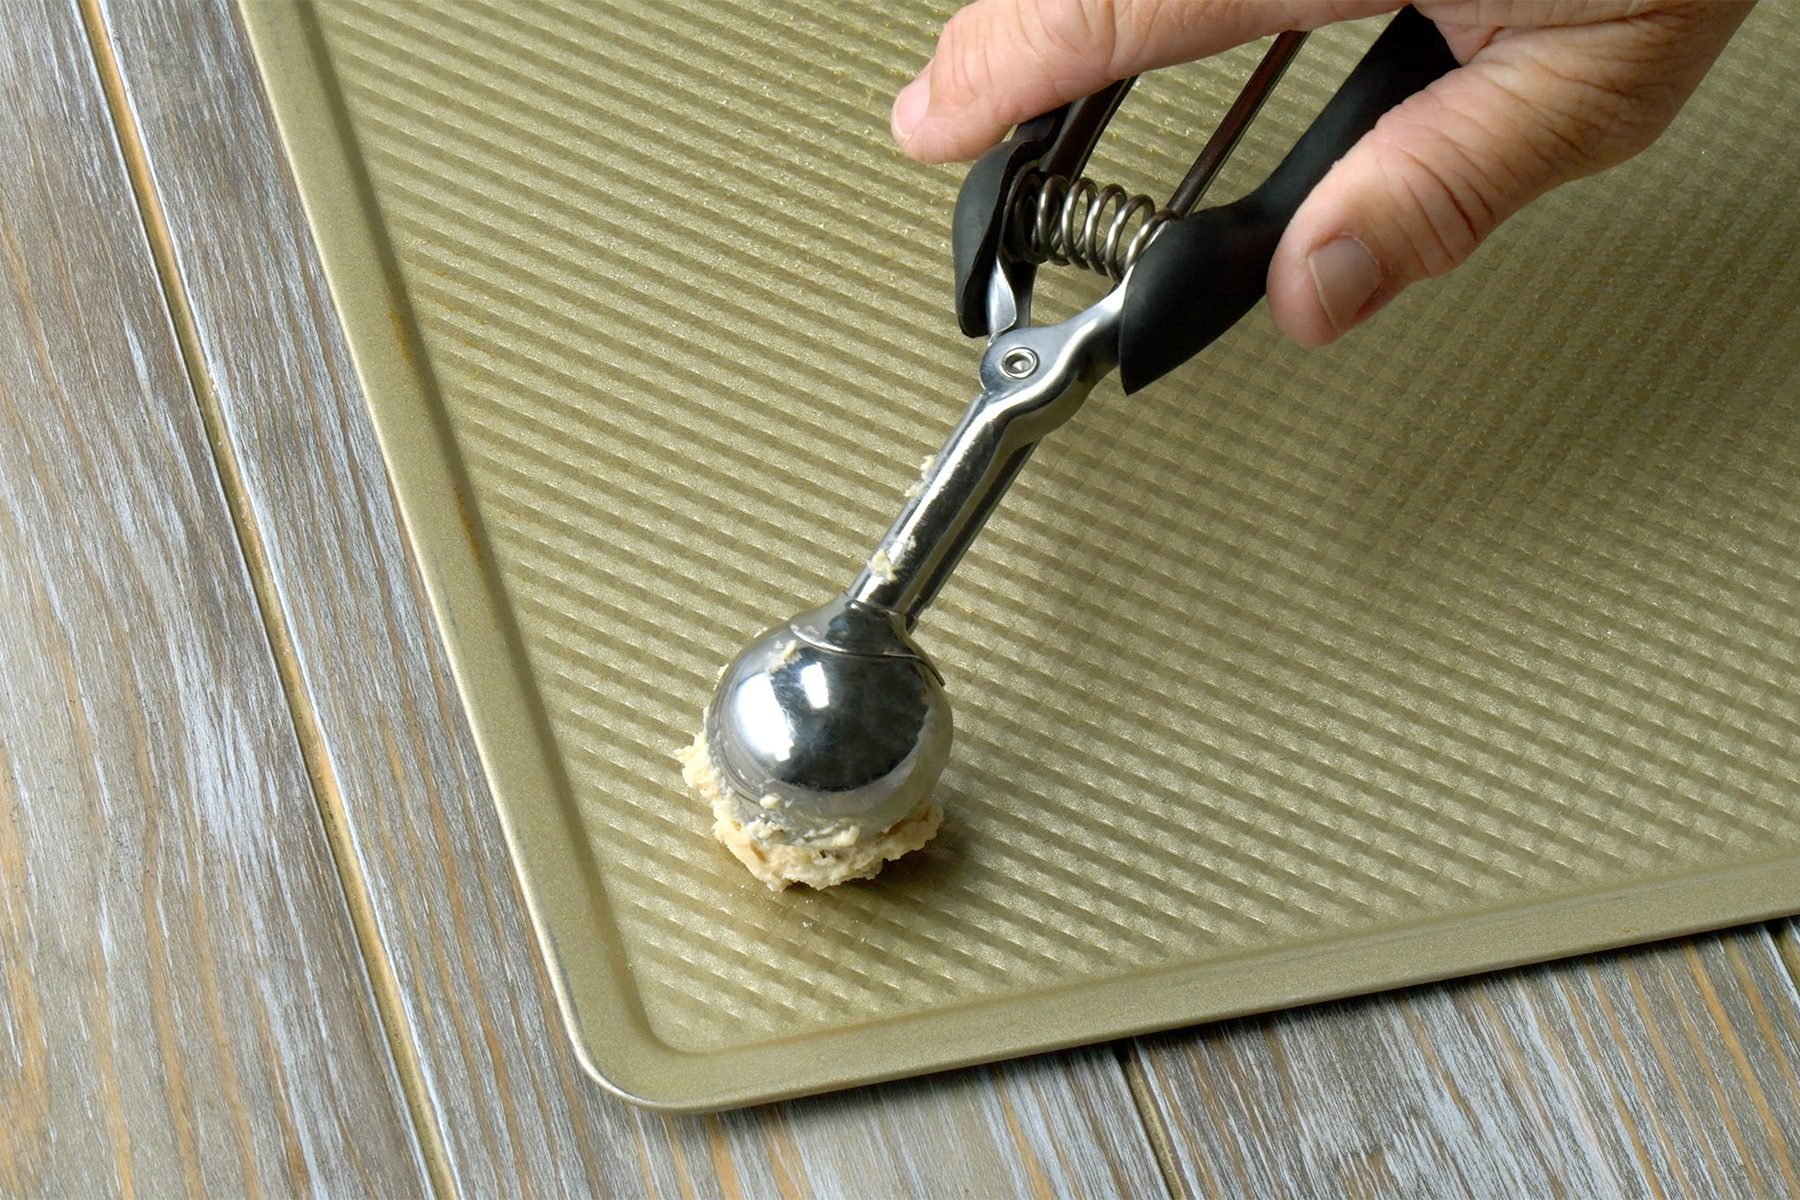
(1471, 641)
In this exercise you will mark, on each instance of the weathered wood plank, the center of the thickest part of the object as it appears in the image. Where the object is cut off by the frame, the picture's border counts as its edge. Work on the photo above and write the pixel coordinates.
(506, 1101)
(1670, 1070)
(184, 1006)
(1070, 1134)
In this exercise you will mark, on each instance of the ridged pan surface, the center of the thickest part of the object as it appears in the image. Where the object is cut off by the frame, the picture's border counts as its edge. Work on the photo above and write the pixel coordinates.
(1472, 640)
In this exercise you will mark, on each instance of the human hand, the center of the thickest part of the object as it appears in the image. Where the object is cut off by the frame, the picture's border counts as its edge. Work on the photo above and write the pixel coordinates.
(1549, 91)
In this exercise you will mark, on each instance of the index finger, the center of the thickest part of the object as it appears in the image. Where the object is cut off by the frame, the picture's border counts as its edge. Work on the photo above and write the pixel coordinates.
(1001, 62)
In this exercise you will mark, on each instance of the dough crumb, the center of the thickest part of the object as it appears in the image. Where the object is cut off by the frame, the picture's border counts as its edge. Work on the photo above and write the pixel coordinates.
(918, 485)
(882, 567)
(827, 862)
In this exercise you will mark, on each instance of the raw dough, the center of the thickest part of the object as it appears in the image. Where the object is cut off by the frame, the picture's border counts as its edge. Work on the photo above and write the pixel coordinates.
(820, 863)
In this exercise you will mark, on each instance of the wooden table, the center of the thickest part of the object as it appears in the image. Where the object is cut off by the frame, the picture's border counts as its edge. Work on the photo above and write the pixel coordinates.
(257, 929)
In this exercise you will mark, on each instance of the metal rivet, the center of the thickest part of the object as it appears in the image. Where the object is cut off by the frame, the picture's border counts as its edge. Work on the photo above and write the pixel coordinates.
(1018, 363)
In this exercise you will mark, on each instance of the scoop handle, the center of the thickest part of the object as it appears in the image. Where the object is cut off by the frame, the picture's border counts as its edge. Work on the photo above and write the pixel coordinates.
(1204, 271)
(1057, 143)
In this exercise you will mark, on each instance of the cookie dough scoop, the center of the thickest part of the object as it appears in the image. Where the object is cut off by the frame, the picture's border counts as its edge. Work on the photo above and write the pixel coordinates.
(825, 737)
(821, 746)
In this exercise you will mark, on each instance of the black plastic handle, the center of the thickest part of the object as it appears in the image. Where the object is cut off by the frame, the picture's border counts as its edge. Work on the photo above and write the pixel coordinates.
(1057, 143)
(1205, 271)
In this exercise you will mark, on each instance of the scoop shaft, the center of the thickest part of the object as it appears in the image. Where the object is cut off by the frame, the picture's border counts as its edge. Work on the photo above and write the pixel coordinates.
(1032, 380)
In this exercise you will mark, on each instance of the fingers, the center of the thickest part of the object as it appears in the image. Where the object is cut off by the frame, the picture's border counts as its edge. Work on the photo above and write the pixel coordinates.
(1532, 109)
(1585, 86)
(1001, 62)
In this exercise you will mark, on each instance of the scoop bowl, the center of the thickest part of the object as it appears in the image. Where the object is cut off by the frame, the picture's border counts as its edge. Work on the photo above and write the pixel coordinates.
(830, 721)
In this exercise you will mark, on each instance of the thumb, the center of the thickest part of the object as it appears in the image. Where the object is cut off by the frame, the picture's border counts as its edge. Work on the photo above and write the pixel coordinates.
(1533, 108)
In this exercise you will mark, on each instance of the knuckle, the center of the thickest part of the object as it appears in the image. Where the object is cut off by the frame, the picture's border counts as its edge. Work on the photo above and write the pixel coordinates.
(962, 69)
(1590, 122)
(1072, 30)
(1600, 123)
(1453, 204)
(1138, 26)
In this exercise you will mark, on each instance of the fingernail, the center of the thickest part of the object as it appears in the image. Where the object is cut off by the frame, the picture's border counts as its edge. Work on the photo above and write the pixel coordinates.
(1347, 278)
(910, 106)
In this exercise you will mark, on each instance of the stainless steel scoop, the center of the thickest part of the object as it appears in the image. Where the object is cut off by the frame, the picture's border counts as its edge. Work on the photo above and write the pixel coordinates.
(836, 719)
(838, 713)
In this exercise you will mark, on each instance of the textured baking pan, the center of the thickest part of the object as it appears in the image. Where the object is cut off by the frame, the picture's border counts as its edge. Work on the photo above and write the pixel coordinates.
(1472, 641)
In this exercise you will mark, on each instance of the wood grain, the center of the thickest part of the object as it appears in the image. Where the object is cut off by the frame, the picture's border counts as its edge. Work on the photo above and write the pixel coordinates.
(185, 1008)
(1670, 1070)
(507, 1107)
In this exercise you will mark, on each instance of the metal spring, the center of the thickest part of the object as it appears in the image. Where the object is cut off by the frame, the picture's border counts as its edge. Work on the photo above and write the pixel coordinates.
(1099, 228)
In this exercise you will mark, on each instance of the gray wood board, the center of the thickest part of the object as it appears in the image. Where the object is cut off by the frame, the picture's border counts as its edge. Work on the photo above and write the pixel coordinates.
(185, 1007)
